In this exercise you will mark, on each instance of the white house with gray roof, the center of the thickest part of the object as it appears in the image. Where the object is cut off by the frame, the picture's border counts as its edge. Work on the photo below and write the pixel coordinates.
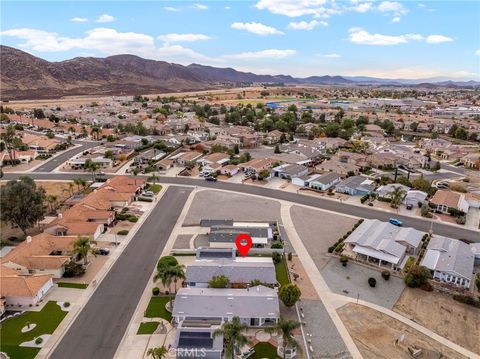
(256, 307)
(450, 261)
(239, 271)
(224, 236)
(383, 243)
(323, 182)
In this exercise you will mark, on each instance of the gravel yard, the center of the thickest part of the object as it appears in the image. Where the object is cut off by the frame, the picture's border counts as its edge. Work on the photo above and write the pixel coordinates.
(227, 205)
(319, 230)
(352, 280)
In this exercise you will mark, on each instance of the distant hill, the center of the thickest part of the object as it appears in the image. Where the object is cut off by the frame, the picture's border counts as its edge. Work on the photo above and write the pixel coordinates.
(24, 76)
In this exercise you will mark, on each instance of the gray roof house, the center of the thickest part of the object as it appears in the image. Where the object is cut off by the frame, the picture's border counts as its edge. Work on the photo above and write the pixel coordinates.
(386, 190)
(413, 197)
(240, 271)
(450, 261)
(224, 236)
(257, 306)
(383, 243)
(355, 186)
(289, 171)
(194, 339)
(324, 182)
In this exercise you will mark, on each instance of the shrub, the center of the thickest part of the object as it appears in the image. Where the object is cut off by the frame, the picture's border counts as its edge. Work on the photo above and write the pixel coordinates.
(289, 294)
(167, 261)
(386, 274)
(145, 199)
(133, 219)
(344, 260)
(417, 276)
(276, 257)
(364, 198)
(121, 216)
(218, 282)
(66, 304)
(73, 269)
(466, 299)
(155, 291)
(339, 247)
(123, 232)
(289, 256)
(38, 341)
(372, 282)
(461, 220)
(124, 209)
(331, 249)
(277, 245)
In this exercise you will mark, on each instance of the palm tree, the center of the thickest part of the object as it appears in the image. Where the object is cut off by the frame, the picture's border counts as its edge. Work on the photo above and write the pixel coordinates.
(95, 130)
(176, 272)
(233, 337)
(52, 202)
(92, 167)
(70, 188)
(78, 182)
(157, 353)
(83, 246)
(164, 276)
(285, 328)
(396, 196)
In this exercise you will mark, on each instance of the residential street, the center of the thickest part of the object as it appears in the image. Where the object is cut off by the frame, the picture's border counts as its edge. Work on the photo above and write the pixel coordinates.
(51, 164)
(99, 328)
(316, 202)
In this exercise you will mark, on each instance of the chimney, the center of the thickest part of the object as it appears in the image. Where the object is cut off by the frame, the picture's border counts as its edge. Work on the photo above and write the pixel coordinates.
(29, 239)
(60, 215)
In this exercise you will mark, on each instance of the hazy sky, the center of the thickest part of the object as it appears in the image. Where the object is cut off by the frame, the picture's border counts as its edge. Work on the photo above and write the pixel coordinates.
(404, 39)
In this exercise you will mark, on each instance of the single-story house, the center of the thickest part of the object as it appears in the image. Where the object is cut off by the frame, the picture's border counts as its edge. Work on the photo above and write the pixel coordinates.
(79, 163)
(383, 243)
(23, 290)
(414, 197)
(449, 260)
(256, 306)
(473, 199)
(289, 171)
(186, 158)
(195, 339)
(224, 236)
(386, 190)
(218, 157)
(324, 182)
(256, 165)
(355, 186)
(239, 271)
(442, 200)
(229, 170)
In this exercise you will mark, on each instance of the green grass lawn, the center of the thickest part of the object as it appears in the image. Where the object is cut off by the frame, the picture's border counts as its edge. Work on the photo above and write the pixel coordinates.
(264, 350)
(282, 272)
(72, 285)
(155, 188)
(156, 308)
(47, 320)
(148, 327)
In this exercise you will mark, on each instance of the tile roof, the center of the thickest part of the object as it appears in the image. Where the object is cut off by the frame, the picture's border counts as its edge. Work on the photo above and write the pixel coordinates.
(20, 285)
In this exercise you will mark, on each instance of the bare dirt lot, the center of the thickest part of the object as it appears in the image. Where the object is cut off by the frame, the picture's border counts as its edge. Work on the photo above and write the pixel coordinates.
(319, 230)
(455, 321)
(375, 333)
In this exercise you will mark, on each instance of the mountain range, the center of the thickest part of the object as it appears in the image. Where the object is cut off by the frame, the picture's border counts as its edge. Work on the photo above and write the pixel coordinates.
(24, 76)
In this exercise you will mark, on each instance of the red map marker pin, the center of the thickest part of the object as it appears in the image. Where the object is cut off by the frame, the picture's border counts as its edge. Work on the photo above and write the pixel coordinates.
(244, 243)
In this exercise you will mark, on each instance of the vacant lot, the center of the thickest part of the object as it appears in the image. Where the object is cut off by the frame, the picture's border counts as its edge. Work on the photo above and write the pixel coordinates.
(375, 334)
(455, 321)
(227, 205)
(352, 280)
(319, 230)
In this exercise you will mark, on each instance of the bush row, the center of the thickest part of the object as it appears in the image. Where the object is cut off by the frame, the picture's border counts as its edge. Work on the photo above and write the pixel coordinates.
(339, 245)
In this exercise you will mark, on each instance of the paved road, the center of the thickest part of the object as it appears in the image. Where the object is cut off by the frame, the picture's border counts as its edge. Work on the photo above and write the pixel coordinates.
(99, 328)
(52, 163)
(330, 205)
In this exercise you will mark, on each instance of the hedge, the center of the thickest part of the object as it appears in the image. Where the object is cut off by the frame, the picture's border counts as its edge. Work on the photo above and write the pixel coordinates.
(123, 232)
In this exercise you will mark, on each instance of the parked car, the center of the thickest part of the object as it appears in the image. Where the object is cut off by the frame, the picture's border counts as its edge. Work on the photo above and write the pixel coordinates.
(210, 179)
(148, 194)
(104, 251)
(395, 222)
(409, 206)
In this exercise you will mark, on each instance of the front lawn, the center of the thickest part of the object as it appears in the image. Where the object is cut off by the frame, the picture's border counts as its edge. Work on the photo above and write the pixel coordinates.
(148, 327)
(155, 188)
(156, 308)
(46, 320)
(72, 285)
(264, 350)
(282, 272)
